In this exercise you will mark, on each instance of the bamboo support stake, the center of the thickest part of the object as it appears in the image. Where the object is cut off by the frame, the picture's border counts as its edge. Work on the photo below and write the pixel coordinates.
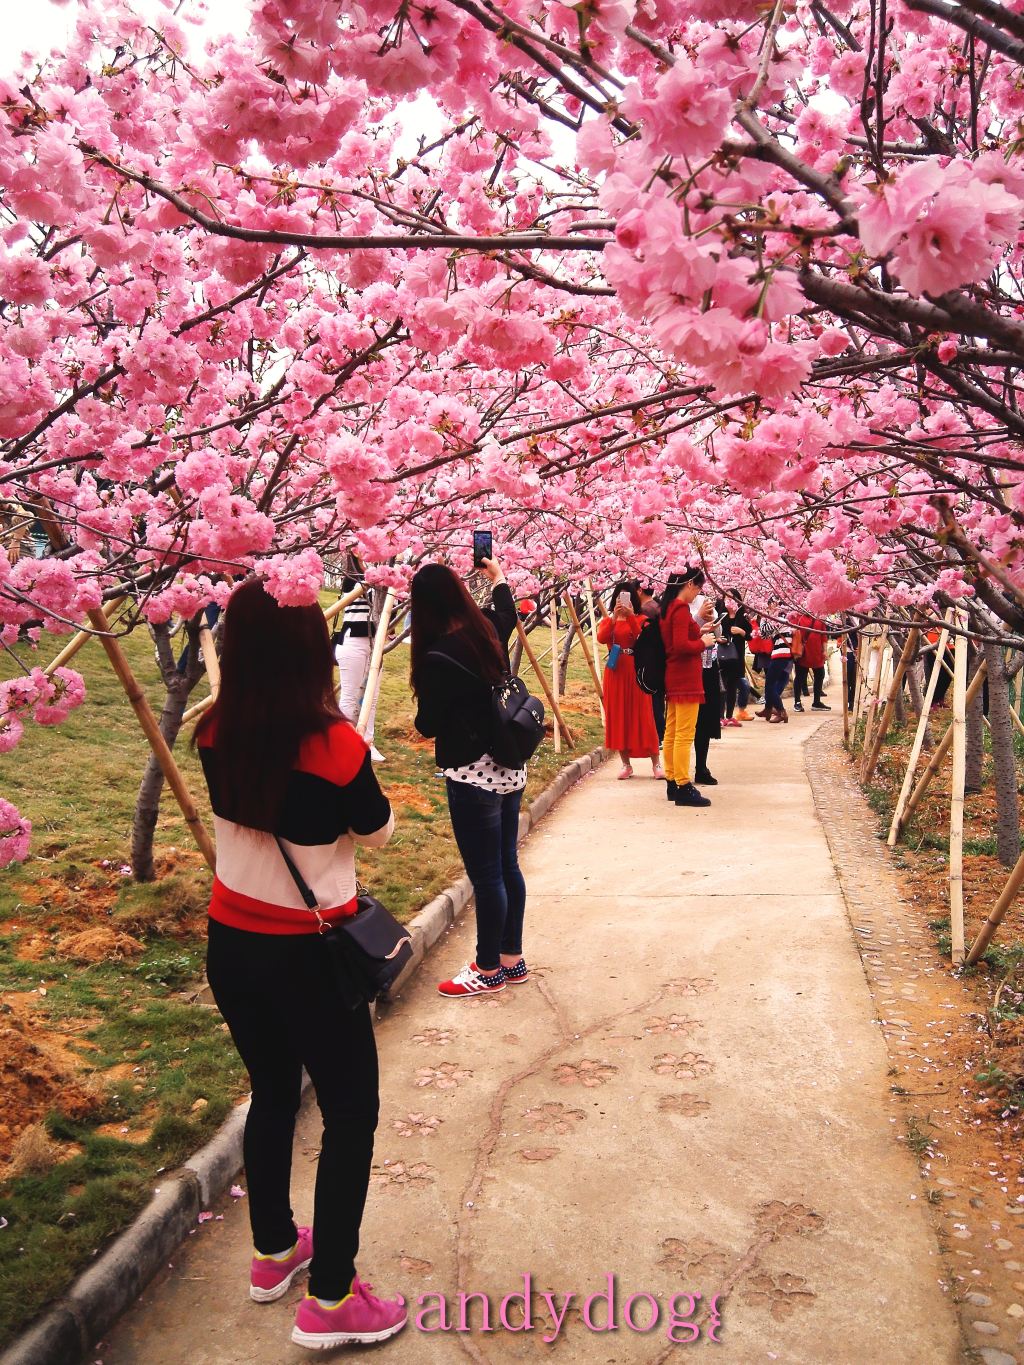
(593, 631)
(211, 660)
(874, 685)
(861, 673)
(1006, 898)
(553, 615)
(871, 757)
(151, 729)
(76, 642)
(586, 653)
(380, 639)
(941, 750)
(570, 739)
(844, 665)
(956, 805)
(918, 745)
(336, 608)
(138, 701)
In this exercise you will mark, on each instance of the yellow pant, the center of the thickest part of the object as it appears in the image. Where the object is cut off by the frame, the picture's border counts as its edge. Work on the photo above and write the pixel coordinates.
(680, 728)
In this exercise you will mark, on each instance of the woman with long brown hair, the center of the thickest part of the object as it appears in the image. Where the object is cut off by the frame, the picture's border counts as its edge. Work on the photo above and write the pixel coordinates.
(286, 771)
(458, 653)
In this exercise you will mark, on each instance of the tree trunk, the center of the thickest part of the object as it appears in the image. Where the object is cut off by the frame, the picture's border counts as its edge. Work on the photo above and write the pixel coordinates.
(179, 685)
(975, 732)
(1003, 757)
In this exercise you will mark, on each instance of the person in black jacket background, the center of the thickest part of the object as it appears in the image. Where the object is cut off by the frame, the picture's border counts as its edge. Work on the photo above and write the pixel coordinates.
(736, 630)
(458, 653)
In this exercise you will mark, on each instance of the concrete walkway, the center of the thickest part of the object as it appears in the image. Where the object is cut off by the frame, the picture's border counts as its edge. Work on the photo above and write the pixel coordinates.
(690, 1096)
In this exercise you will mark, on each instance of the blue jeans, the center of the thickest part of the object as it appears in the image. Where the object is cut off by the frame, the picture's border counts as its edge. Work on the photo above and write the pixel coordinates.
(486, 826)
(775, 683)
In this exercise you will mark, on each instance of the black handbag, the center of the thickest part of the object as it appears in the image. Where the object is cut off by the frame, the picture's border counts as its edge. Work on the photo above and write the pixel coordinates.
(517, 718)
(367, 950)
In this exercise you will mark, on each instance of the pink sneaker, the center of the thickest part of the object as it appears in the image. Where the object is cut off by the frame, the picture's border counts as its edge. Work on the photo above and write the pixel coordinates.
(270, 1279)
(359, 1317)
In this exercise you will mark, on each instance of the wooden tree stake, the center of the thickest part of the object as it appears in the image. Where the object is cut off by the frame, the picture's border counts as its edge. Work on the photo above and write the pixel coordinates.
(956, 807)
(569, 737)
(871, 756)
(553, 615)
(922, 730)
(595, 676)
(380, 639)
(845, 667)
(1006, 898)
(151, 729)
(941, 750)
(76, 642)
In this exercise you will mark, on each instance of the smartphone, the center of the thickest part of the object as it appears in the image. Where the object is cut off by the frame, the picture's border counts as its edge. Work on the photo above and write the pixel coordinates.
(624, 600)
(483, 547)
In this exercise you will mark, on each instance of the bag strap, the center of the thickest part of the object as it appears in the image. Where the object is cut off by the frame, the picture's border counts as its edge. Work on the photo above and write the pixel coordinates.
(305, 891)
(437, 654)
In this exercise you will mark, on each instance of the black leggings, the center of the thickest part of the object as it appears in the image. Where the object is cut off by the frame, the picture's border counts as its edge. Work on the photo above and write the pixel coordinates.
(731, 671)
(278, 1000)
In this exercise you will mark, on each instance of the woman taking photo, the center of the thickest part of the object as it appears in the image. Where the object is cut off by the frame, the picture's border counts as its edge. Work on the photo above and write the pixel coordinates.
(736, 629)
(629, 724)
(287, 771)
(458, 653)
(685, 642)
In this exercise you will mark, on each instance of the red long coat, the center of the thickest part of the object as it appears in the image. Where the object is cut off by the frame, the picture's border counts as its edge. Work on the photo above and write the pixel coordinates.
(628, 713)
(684, 678)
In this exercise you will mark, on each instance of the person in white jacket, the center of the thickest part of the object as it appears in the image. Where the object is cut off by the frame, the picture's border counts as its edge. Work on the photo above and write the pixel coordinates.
(352, 649)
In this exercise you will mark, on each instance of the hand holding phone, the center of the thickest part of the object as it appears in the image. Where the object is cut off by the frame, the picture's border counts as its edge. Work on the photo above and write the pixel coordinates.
(483, 547)
(624, 601)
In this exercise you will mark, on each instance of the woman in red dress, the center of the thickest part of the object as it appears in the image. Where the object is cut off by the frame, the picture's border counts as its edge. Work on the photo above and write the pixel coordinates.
(628, 712)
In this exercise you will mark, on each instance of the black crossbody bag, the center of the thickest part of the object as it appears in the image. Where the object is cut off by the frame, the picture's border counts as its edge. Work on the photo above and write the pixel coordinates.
(366, 950)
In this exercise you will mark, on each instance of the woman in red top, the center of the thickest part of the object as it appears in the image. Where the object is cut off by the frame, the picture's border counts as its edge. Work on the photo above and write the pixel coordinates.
(286, 770)
(628, 712)
(685, 642)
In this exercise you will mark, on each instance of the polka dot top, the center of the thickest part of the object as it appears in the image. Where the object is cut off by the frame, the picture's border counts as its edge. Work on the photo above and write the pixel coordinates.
(488, 775)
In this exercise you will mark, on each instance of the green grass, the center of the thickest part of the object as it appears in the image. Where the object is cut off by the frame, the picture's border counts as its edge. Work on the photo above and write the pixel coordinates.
(176, 1074)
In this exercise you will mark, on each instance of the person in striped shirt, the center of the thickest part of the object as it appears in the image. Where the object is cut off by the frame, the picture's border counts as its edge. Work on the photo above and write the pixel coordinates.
(776, 628)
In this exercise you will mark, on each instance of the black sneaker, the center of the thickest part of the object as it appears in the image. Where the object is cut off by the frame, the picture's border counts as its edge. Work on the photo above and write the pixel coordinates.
(820, 706)
(706, 780)
(798, 706)
(688, 795)
(672, 788)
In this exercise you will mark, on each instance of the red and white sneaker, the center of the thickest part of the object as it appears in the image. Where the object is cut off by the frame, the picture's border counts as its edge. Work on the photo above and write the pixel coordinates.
(470, 981)
(359, 1317)
(270, 1277)
(514, 975)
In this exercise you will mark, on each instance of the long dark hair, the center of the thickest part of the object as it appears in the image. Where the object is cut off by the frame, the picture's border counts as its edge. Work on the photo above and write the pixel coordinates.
(679, 580)
(276, 689)
(630, 586)
(440, 605)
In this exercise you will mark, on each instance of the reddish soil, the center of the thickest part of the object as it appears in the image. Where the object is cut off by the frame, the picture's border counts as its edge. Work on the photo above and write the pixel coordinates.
(38, 1071)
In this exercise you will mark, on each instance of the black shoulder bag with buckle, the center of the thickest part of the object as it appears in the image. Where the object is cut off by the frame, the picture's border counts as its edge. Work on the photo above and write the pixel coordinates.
(517, 718)
(367, 950)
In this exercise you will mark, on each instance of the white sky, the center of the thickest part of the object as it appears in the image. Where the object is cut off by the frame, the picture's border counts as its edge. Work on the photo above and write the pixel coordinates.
(36, 26)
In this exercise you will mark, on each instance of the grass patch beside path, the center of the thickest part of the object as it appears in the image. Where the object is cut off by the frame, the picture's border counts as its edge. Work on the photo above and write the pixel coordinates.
(110, 1070)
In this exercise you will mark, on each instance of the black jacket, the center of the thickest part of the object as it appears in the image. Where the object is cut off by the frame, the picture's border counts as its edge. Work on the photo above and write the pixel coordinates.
(454, 709)
(741, 619)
